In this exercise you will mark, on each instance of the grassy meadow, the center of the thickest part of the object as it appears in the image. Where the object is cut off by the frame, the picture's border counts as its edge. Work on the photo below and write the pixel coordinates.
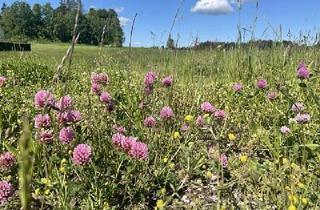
(250, 151)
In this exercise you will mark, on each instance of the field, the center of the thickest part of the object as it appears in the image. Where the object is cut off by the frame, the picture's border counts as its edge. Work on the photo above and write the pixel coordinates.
(227, 129)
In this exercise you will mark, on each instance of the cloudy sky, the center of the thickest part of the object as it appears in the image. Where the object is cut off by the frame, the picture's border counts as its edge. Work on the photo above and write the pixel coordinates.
(209, 19)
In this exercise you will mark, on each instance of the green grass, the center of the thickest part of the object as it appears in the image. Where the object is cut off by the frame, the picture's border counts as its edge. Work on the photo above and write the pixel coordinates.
(183, 172)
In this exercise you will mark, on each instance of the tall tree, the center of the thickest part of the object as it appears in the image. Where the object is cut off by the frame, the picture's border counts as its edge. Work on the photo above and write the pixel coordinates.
(20, 22)
(47, 20)
(3, 7)
(37, 20)
(113, 31)
(17, 21)
(61, 24)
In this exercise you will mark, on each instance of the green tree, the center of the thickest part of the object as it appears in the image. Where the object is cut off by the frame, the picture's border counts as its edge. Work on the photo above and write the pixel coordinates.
(20, 22)
(97, 20)
(17, 21)
(47, 20)
(113, 31)
(85, 30)
(3, 7)
(37, 20)
(61, 24)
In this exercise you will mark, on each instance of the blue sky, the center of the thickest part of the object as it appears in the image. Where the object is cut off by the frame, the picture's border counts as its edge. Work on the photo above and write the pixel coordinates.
(208, 19)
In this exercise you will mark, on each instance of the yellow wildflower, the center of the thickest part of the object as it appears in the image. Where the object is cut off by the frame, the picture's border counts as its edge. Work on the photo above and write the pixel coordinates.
(165, 160)
(293, 198)
(285, 161)
(62, 170)
(45, 181)
(176, 135)
(243, 158)
(301, 185)
(292, 207)
(47, 192)
(37, 191)
(106, 205)
(231, 137)
(188, 118)
(163, 191)
(209, 174)
(294, 166)
(8, 178)
(171, 165)
(304, 201)
(63, 161)
(160, 204)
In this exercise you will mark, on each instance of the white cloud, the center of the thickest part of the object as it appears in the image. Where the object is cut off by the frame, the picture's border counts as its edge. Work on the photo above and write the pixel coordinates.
(124, 21)
(119, 9)
(212, 7)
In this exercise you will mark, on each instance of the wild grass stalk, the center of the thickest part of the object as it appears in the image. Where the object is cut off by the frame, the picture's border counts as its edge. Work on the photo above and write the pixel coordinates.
(25, 167)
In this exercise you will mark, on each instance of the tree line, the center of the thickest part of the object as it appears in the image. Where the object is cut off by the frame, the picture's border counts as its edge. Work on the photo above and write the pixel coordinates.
(261, 44)
(21, 22)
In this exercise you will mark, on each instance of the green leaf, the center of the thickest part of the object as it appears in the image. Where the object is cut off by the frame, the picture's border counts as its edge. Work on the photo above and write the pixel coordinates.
(11, 149)
(311, 146)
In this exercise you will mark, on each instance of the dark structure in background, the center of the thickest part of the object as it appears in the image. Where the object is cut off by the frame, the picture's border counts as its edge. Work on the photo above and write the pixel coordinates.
(8, 46)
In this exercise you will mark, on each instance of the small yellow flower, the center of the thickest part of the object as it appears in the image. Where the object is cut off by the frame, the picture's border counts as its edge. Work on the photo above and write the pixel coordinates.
(62, 170)
(45, 181)
(287, 188)
(63, 161)
(301, 185)
(243, 158)
(8, 178)
(293, 198)
(292, 207)
(209, 174)
(70, 152)
(47, 192)
(176, 135)
(188, 118)
(106, 205)
(294, 166)
(171, 165)
(163, 191)
(165, 160)
(37, 191)
(304, 201)
(160, 204)
(231, 137)
(222, 208)
(285, 161)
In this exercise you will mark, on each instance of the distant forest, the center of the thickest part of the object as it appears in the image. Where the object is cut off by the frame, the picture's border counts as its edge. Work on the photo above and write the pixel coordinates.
(22, 22)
